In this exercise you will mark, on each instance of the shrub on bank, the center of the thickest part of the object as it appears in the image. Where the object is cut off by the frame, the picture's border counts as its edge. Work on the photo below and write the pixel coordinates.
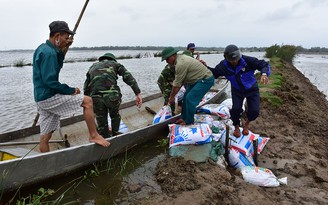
(285, 52)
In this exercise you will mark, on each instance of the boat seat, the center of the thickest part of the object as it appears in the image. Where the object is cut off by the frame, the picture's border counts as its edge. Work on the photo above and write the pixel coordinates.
(12, 153)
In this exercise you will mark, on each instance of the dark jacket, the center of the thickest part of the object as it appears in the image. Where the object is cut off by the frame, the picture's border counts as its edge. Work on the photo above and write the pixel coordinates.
(241, 76)
(47, 62)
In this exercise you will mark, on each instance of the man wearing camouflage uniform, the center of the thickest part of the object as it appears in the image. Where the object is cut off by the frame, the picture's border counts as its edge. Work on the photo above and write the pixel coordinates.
(165, 82)
(101, 85)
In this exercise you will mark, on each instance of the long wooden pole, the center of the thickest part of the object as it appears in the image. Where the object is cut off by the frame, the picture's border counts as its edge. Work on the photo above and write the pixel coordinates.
(81, 14)
(75, 28)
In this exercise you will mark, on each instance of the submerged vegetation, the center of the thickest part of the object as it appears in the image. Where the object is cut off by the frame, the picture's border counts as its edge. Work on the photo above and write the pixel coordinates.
(285, 52)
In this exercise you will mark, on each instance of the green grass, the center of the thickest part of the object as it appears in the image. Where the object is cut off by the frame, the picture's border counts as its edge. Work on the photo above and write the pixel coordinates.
(271, 98)
(275, 83)
(276, 62)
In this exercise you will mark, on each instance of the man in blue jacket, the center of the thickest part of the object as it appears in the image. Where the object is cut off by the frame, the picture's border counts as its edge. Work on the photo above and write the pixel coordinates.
(54, 99)
(239, 70)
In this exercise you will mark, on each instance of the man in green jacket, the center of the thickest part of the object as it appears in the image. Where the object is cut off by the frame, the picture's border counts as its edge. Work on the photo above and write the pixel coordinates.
(101, 85)
(197, 78)
(54, 99)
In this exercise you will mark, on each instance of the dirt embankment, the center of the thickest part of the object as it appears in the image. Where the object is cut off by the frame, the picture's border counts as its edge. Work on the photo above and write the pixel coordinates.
(297, 149)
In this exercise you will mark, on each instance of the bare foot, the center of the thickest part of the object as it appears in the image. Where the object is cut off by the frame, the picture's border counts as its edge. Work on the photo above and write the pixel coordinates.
(180, 122)
(236, 133)
(183, 123)
(245, 129)
(99, 140)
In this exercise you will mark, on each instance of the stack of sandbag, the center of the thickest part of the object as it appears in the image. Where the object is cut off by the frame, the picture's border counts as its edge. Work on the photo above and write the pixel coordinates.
(216, 123)
(241, 150)
(194, 142)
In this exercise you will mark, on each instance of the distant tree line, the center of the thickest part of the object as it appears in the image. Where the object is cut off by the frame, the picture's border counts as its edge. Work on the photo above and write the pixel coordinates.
(299, 49)
(159, 48)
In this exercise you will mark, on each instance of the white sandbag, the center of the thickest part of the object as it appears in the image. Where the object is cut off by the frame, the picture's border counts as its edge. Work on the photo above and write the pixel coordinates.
(238, 159)
(123, 127)
(228, 102)
(261, 142)
(221, 124)
(261, 176)
(207, 97)
(180, 94)
(189, 134)
(164, 113)
(215, 109)
(204, 118)
(244, 143)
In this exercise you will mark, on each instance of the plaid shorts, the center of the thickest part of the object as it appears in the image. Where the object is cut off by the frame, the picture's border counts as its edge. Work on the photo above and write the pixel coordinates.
(52, 109)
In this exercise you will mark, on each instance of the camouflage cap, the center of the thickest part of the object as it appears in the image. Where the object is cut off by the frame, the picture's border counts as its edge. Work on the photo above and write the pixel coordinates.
(108, 56)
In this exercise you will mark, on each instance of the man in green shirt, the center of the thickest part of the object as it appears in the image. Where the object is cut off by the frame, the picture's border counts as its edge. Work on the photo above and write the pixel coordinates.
(194, 75)
(54, 99)
(191, 51)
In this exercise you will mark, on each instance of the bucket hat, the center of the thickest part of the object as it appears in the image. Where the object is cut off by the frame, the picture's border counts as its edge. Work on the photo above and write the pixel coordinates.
(167, 52)
(108, 56)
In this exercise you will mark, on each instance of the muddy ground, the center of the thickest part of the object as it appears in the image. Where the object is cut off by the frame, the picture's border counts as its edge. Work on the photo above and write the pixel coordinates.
(297, 149)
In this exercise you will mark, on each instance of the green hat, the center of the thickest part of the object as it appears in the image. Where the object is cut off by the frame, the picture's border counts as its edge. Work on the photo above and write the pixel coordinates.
(108, 56)
(167, 52)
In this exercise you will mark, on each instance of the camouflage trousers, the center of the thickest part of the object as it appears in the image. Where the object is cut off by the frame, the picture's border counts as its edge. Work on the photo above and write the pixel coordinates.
(101, 107)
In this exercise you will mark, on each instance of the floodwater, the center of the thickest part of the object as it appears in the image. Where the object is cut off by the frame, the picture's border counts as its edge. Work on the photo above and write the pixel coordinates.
(104, 184)
(17, 106)
(315, 68)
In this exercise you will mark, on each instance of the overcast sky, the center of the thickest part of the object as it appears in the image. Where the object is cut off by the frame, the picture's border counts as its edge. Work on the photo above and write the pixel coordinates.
(207, 23)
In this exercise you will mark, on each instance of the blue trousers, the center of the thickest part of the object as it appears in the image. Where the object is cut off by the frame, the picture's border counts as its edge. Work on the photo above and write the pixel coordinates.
(193, 96)
(253, 104)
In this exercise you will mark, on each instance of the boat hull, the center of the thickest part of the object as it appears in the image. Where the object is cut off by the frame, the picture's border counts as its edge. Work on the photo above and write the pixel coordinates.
(35, 167)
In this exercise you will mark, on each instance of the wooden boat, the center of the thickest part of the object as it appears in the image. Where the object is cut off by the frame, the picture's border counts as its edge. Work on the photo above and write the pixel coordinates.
(23, 165)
